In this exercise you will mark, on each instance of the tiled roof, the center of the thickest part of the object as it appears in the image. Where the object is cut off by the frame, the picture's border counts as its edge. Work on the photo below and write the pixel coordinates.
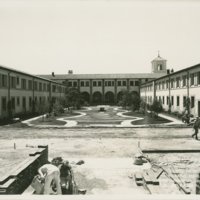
(27, 74)
(102, 76)
(176, 72)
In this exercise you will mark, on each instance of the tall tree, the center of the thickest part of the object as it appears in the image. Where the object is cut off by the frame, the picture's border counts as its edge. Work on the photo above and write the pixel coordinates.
(74, 98)
(156, 107)
(130, 99)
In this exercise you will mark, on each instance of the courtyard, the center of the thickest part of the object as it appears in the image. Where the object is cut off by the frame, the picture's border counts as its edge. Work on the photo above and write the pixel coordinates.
(108, 152)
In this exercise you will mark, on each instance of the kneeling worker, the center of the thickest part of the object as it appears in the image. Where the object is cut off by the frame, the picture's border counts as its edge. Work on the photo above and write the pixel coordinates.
(50, 173)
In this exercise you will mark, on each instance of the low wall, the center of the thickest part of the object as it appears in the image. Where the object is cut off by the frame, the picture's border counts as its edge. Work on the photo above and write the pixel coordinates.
(17, 180)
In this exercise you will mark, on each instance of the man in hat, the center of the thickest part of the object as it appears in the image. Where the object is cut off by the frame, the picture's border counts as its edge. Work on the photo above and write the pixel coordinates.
(196, 128)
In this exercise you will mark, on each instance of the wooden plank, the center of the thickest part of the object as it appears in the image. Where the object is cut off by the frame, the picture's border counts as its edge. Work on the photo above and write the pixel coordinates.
(153, 177)
(171, 151)
(147, 178)
(138, 176)
(139, 183)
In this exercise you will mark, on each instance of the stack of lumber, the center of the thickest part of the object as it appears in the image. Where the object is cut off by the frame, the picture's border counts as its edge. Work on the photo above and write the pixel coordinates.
(147, 177)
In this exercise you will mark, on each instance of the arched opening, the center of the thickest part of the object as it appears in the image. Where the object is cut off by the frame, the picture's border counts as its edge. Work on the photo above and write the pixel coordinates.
(135, 93)
(109, 98)
(97, 98)
(86, 97)
(119, 96)
(159, 67)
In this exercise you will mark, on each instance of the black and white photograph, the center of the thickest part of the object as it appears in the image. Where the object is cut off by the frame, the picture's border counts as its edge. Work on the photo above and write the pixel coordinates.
(100, 98)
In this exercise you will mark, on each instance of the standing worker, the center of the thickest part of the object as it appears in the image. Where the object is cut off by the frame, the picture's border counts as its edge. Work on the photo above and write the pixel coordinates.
(49, 173)
(66, 176)
(196, 128)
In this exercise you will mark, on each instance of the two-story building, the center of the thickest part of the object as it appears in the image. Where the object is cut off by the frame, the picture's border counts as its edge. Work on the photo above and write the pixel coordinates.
(107, 88)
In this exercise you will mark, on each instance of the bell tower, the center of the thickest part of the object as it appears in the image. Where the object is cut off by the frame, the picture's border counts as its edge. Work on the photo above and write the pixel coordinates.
(159, 65)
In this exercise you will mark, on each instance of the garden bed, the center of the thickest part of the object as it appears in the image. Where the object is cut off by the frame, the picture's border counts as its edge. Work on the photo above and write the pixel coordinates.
(147, 119)
(49, 121)
(73, 114)
(99, 122)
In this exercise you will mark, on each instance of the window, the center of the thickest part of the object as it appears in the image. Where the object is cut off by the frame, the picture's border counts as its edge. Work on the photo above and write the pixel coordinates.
(44, 87)
(167, 84)
(178, 82)
(13, 103)
(146, 80)
(184, 101)
(30, 101)
(172, 83)
(23, 84)
(75, 84)
(3, 104)
(184, 80)
(131, 83)
(191, 79)
(13, 82)
(40, 86)
(17, 80)
(192, 101)
(124, 83)
(40, 99)
(136, 83)
(35, 85)
(198, 78)
(163, 100)
(4, 80)
(87, 83)
(163, 85)
(94, 83)
(99, 83)
(109, 83)
(48, 87)
(119, 83)
(113, 83)
(82, 84)
(172, 100)
(177, 100)
(53, 88)
(18, 101)
(24, 102)
(106, 83)
(167, 100)
(30, 85)
(69, 84)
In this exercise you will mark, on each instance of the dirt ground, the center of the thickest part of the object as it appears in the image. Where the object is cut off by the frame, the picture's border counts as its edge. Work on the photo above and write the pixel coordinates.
(108, 154)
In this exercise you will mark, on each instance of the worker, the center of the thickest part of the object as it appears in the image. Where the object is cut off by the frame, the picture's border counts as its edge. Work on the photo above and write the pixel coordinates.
(66, 175)
(140, 159)
(50, 173)
(196, 128)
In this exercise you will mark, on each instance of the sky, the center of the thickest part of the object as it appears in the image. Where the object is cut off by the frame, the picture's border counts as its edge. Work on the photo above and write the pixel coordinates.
(99, 36)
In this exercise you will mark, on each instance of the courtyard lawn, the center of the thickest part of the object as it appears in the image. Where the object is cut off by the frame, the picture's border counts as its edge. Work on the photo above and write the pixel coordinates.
(147, 119)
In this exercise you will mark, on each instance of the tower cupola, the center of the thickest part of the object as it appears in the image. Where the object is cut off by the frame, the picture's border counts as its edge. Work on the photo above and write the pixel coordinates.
(159, 65)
